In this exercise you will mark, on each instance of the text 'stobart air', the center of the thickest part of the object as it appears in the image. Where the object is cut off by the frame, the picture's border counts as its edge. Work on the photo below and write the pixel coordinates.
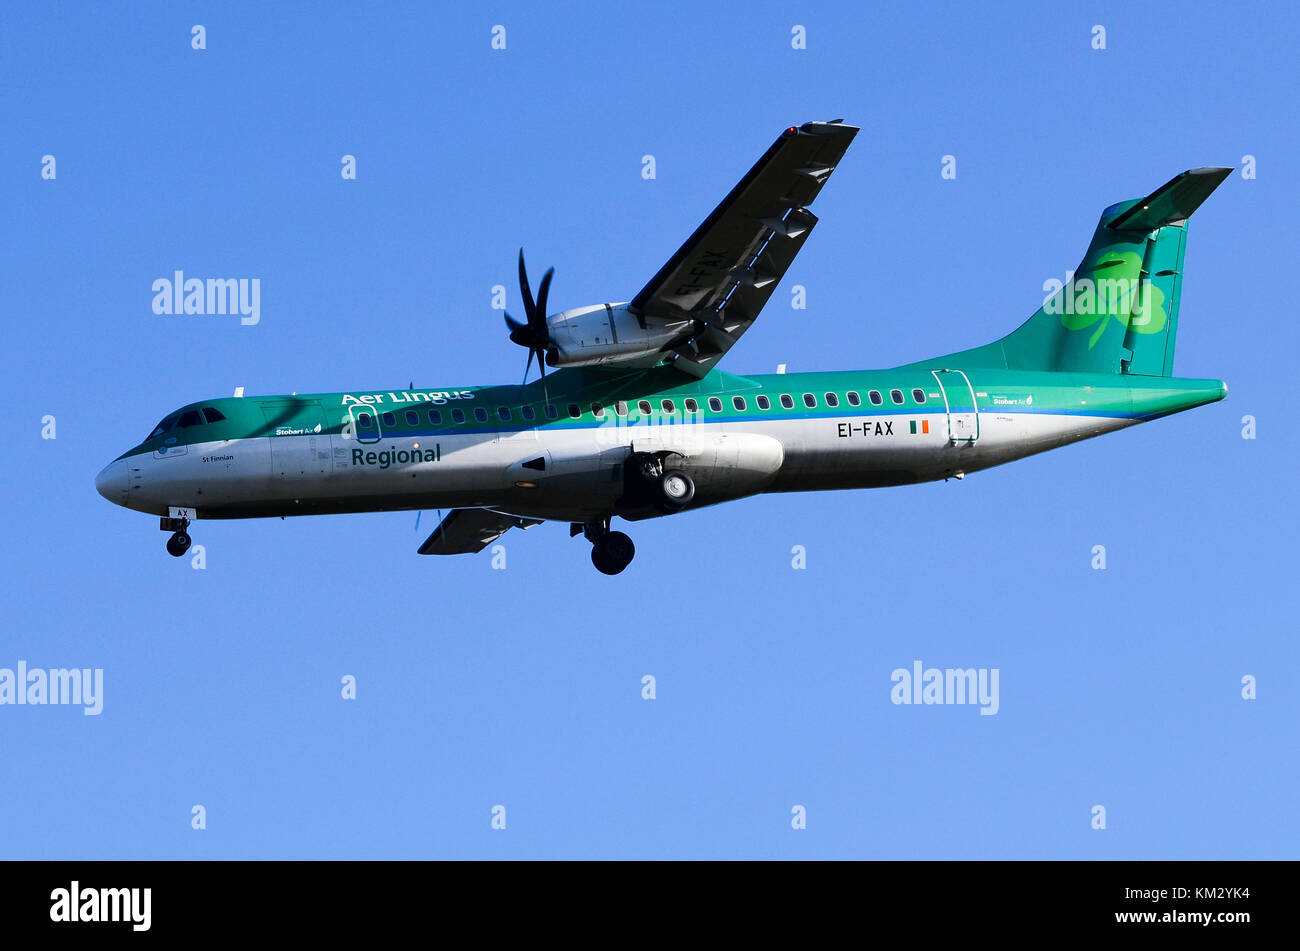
(638, 422)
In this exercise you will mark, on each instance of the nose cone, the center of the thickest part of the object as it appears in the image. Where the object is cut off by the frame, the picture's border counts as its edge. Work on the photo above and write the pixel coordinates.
(111, 482)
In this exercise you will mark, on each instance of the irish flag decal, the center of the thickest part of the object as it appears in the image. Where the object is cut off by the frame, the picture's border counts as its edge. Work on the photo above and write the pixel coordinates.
(925, 426)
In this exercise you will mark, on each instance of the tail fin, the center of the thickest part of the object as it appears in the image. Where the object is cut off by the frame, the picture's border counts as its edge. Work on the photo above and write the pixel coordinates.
(1118, 312)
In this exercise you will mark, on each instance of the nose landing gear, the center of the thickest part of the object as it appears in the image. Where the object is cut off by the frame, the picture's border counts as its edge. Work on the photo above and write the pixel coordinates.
(179, 543)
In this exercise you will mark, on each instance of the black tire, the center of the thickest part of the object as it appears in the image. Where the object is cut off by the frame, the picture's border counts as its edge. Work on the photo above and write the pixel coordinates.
(612, 552)
(676, 490)
(178, 544)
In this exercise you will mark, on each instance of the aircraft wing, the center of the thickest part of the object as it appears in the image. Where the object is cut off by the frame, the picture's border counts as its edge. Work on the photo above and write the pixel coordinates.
(470, 530)
(725, 272)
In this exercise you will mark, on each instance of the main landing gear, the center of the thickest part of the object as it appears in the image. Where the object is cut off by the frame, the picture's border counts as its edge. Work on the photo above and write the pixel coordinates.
(647, 484)
(611, 552)
(179, 543)
(648, 480)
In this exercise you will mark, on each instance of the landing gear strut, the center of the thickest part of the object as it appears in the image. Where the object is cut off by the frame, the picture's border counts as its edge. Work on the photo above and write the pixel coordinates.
(179, 543)
(611, 552)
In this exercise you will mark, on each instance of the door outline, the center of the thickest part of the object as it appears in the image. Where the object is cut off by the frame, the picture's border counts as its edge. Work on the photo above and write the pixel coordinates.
(356, 427)
(971, 416)
(288, 456)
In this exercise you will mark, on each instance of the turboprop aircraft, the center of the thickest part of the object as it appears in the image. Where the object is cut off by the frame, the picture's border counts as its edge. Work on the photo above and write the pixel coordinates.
(637, 421)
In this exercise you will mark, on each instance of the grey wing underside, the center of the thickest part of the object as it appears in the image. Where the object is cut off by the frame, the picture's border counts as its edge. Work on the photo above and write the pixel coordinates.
(469, 530)
(725, 272)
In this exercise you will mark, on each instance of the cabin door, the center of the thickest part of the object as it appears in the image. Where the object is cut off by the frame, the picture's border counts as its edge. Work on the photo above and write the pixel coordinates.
(959, 400)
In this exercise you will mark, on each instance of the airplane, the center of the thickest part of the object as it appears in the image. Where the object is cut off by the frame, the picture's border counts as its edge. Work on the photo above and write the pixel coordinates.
(636, 421)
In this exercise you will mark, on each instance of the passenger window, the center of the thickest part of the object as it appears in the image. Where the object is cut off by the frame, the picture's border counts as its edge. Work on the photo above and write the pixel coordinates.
(480, 414)
(620, 408)
(832, 399)
(809, 400)
(854, 399)
(896, 396)
(528, 413)
(787, 401)
(458, 416)
(389, 419)
(213, 415)
(503, 412)
(644, 407)
(435, 417)
(738, 402)
(918, 395)
(597, 410)
(764, 402)
(189, 418)
(552, 412)
(874, 396)
(365, 421)
(715, 404)
(691, 406)
(574, 411)
(668, 406)
(412, 418)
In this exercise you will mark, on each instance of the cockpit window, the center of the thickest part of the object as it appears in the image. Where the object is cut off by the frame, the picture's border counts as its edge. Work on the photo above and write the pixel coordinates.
(166, 424)
(190, 418)
(213, 415)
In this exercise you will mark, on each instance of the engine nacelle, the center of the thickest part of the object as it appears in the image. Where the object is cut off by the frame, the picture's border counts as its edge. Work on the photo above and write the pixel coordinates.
(608, 334)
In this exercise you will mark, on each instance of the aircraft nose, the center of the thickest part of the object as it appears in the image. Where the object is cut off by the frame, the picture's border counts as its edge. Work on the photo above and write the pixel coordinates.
(111, 482)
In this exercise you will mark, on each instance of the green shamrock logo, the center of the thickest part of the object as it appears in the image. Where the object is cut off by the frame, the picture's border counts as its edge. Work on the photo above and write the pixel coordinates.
(1111, 287)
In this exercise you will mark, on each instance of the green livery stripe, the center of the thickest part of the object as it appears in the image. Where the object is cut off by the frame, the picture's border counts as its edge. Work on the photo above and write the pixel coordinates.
(1126, 396)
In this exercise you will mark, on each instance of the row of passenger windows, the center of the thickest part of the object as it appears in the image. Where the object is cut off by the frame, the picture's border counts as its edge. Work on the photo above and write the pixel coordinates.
(644, 407)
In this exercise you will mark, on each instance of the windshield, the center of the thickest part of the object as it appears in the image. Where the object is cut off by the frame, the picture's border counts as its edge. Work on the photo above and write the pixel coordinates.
(166, 424)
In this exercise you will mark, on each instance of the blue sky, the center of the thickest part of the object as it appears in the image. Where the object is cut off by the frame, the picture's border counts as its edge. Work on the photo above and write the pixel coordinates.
(522, 687)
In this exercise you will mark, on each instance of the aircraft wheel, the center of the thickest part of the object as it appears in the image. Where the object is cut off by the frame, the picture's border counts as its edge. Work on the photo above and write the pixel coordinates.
(178, 544)
(612, 552)
(676, 490)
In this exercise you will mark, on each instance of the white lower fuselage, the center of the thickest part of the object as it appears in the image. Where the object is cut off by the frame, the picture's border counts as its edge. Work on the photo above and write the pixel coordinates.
(581, 474)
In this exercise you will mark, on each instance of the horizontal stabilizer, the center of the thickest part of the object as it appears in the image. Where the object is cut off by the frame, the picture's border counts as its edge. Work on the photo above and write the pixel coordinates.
(470, 530)
(1172, 202)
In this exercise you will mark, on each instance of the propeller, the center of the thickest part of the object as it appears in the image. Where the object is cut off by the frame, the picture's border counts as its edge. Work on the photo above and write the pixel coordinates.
(532, 334)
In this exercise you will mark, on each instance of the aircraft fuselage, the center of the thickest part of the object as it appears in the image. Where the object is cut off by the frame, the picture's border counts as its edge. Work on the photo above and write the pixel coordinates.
(558, 449)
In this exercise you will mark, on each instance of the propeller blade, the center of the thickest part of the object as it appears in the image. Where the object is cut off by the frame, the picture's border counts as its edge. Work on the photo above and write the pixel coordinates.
(529, 305)
(535, 333)
(541, 301)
